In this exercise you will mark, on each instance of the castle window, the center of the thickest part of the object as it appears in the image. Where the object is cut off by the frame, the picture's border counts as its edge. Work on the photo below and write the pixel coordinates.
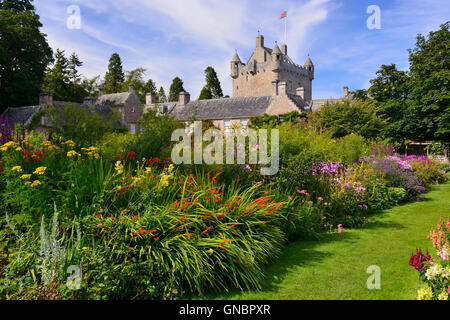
(280, 117)
(42, 121)
(226, 124)
(244, 123)
(132, 128)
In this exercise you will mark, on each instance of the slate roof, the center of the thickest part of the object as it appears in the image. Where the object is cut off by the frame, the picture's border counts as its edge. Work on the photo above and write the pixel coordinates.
(22, 115)
(319, 103)
(226, 108)
(113, 99)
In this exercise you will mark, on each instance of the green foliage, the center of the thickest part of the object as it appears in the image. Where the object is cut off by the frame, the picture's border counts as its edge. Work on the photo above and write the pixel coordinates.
(136, 78)
(24, 54)
(63, 80)
(82, 125)
(212, 89)
(175, 89)
(154, 140)
(428, 115)
(161, 97)
(115, 75)
(346, 117)
(205, 94)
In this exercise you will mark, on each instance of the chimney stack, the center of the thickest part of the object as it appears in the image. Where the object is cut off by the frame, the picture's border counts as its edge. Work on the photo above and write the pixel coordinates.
(184, 98)
(284, 49)
(345, 92)
(46, 99)
(150, 99)
(282, 88)
(275, 87)
(301, 92)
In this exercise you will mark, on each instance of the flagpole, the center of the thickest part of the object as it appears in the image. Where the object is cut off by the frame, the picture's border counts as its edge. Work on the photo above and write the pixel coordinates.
(285, 30)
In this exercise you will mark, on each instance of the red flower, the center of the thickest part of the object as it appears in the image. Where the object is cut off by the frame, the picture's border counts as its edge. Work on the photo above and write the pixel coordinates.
(132, 155)
(156, 239)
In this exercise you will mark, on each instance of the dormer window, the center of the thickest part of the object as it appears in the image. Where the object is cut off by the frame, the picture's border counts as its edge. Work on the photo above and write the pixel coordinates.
(42, 121)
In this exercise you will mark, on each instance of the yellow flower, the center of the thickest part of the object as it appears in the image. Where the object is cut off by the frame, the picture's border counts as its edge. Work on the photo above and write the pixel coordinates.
(17, 168)
(46, 144)
(27, 183)
(40, 170)
(443, 296)
(19, 149)
(73, 153)
(119, 167)
(35, 183)
(25, 176)
(425, 293)
(85, 248)
(69, 143)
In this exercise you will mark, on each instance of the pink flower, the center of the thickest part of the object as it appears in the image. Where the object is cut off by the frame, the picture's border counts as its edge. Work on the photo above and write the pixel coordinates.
(320, 198)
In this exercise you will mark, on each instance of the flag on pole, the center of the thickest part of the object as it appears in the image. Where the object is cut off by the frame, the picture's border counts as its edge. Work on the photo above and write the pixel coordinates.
(284, 15)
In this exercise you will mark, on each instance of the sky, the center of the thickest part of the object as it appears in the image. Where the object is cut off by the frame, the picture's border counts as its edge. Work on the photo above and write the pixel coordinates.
(181, 38)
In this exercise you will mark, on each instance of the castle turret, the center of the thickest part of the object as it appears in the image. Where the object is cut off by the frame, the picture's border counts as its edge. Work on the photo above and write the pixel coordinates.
(276, 59)
(235, 64)
(310, 67)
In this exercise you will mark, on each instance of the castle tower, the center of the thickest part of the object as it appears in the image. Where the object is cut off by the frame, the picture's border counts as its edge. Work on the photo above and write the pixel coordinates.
(267, 69)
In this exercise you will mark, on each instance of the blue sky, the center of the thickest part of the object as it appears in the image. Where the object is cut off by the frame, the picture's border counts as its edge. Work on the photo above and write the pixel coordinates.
(182, 37)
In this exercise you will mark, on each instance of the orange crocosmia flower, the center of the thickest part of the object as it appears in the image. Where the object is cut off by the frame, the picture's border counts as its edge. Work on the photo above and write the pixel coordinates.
(130, 248)
(189, 235)
(156, 239)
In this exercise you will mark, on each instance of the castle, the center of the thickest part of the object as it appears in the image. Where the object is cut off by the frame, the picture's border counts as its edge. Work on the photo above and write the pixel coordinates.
(269, 70)
(269, 83)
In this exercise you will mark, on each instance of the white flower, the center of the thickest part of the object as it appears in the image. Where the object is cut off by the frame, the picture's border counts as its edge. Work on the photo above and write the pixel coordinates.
(434, 271)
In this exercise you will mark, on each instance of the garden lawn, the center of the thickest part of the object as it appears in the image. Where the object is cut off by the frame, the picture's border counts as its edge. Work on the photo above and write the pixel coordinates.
(335, 267)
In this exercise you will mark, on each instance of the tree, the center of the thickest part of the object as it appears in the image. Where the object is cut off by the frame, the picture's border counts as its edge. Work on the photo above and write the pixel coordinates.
(175, 89)
(91, 86)
(212, 81)
(115, 76)
(212, 89)
(63, 79)
(344, 118)
(161, 95)
(24, 54)
(428, 114)
(390, 91)
(136, 78)
(150, 87)
(205, 94)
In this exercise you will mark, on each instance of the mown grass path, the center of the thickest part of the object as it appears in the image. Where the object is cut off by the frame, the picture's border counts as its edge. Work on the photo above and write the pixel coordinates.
(335, 267)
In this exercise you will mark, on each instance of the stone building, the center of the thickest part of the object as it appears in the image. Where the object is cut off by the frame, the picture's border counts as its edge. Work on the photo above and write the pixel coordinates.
(267, 69)
(126, 104)
(269, 83)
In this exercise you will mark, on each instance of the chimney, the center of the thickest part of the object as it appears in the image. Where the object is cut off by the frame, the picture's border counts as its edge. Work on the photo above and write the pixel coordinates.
(100, 92)
(260, 41)
(282, 88)
(275, 87)
(45, 99)
(150, 99)
(345, 92)
(184, 98)
(131, 87)
(284, 49)
(301, 92)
